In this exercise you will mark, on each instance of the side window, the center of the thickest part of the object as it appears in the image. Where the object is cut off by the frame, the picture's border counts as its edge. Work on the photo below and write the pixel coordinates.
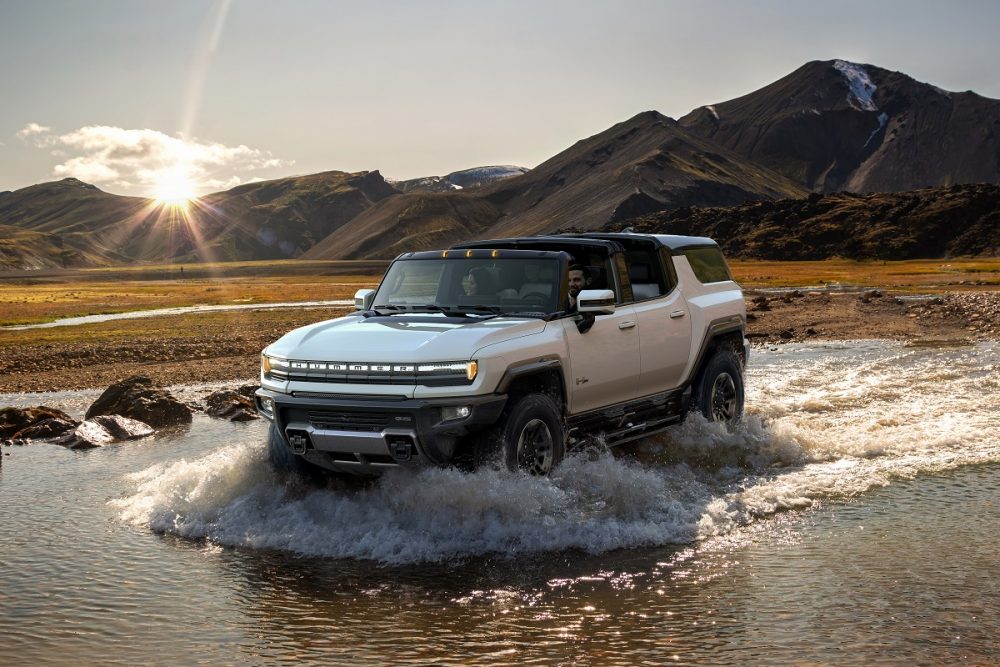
(708, 264)
(646, 272)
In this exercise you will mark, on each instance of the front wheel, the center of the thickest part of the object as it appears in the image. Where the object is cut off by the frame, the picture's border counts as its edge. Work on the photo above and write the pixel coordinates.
(529, 435)
(718, 393)
(284, 460)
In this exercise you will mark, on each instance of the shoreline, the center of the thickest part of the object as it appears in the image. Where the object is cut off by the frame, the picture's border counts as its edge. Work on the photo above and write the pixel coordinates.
(224, 347)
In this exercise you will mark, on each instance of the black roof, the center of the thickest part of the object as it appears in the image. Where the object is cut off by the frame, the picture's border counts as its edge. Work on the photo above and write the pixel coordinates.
(672, 241)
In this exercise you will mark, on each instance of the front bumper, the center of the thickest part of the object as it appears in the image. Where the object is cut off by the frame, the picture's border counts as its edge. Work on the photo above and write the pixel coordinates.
(363, 435)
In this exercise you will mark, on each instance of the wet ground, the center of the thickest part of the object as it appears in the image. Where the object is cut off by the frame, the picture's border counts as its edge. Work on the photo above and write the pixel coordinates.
(851, 520)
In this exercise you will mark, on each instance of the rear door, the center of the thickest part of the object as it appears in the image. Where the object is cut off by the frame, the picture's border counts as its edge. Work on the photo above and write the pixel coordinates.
(663, 321)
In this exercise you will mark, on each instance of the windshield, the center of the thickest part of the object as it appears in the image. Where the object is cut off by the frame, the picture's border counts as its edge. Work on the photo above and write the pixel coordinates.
(498, 285)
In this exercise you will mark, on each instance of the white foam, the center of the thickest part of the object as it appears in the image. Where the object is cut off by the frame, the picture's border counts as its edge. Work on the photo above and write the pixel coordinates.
(822, 423)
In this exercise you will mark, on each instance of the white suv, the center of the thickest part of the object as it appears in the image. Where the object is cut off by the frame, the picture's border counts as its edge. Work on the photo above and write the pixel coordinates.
(475, 353)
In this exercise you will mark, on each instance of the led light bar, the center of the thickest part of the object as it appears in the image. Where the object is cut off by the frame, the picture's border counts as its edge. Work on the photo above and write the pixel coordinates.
(440, 372)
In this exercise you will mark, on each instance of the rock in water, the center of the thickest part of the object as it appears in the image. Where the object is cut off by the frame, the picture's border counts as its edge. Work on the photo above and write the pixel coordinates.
(248, 390)
(103, 430)
(13, 420)
(47, 428)
(137, 398)
(231, 405)
(123, 428)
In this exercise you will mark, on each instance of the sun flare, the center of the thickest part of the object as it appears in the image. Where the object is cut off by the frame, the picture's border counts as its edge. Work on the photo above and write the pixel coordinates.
(174, 188)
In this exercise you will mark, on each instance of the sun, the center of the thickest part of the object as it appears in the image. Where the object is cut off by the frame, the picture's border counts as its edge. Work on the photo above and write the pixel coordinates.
(174, 188)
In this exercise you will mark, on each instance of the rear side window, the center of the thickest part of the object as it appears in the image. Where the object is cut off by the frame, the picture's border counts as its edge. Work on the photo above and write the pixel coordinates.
(708, 264)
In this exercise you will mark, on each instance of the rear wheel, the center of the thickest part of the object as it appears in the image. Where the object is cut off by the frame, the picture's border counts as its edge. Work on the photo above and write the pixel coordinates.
(718, 393)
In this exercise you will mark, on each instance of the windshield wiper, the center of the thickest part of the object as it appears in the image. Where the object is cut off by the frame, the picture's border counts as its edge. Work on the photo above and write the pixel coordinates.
(388, 306)
(496, 310)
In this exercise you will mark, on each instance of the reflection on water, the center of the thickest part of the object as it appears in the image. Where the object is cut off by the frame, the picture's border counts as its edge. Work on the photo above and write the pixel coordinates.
(852, 519)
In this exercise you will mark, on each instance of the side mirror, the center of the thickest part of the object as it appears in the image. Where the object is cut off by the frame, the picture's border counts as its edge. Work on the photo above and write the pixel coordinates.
(596, 301)
(363, 299)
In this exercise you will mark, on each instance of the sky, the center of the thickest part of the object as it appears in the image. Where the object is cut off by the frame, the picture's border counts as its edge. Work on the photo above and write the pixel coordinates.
(152, 98)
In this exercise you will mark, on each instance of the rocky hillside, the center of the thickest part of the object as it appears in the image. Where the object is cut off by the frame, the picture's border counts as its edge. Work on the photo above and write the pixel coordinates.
(71, 223)
(647, 163)
(835, 125)
(928, 223)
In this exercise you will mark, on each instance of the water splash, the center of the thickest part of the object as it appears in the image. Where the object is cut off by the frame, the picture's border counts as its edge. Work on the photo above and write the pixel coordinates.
(823, 422)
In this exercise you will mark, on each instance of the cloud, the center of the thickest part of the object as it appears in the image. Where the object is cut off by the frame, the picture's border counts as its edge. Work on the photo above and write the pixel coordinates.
(147, 158)
(32, 129)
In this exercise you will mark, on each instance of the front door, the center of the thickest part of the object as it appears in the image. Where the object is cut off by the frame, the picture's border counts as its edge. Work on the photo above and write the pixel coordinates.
(604, 361)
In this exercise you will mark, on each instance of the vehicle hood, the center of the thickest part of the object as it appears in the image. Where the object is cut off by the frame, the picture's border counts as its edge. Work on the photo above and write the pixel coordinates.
(399, 338)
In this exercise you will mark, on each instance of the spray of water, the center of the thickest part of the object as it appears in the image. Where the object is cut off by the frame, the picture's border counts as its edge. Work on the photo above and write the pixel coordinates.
(822, 422)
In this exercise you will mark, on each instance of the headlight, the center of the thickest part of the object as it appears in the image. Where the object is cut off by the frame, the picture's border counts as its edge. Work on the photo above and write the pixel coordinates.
(469, 368)
(274, 367)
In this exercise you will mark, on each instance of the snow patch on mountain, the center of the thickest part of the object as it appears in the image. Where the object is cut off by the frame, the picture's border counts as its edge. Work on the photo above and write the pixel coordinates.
(883, 118)
(859, 83)
(711, 110)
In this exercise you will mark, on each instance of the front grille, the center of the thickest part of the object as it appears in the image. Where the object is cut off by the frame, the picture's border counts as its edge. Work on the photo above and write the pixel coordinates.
(350, 420)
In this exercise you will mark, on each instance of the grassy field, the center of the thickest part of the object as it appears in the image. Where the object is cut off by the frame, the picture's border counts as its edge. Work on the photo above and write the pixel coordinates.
(50, 300)
(912, 275)
(32, 298)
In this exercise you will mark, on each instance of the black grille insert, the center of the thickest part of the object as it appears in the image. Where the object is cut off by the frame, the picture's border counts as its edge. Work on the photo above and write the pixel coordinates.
(350, 420)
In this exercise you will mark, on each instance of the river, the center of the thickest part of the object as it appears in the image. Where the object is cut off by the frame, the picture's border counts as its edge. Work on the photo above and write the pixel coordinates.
(853, 519)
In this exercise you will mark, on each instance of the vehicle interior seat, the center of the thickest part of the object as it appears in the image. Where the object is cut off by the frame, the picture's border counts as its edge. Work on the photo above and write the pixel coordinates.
(644, 285)
(546, 278)
(598, 277)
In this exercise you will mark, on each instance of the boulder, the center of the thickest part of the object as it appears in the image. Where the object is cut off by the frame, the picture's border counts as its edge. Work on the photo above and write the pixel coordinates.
(231, 405)
(13, 420)
(123, 428)
(104, 430)
(47, 428)
(137, 398)
(248, 390)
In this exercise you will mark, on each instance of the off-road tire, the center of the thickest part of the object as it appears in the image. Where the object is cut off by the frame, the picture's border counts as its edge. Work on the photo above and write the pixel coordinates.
(283, 460)
(529, 436)
(718, 392)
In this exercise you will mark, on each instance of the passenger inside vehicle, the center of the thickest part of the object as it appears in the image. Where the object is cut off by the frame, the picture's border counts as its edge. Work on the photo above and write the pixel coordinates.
(480, 282)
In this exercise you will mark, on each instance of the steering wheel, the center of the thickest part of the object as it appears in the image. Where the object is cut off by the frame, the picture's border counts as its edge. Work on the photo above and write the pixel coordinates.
(535, 298)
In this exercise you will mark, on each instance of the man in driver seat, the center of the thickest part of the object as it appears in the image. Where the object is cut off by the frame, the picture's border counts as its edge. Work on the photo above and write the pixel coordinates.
(578, 281)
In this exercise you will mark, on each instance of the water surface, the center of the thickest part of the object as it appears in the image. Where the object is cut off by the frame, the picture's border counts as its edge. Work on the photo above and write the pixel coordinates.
(852, 519)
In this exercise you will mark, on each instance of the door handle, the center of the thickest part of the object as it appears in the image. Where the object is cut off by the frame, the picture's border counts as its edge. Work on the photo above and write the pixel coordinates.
(627, 324)
(676, 313)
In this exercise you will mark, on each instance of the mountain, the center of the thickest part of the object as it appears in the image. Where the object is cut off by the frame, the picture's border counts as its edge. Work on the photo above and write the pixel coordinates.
(647, 163)
(263, 220)
(835, 125)
(459, 180)
(926, 223)
(827, 127)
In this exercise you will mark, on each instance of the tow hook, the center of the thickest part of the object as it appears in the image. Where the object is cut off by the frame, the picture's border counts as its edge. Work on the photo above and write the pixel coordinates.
(298, 440)
(401, 446)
